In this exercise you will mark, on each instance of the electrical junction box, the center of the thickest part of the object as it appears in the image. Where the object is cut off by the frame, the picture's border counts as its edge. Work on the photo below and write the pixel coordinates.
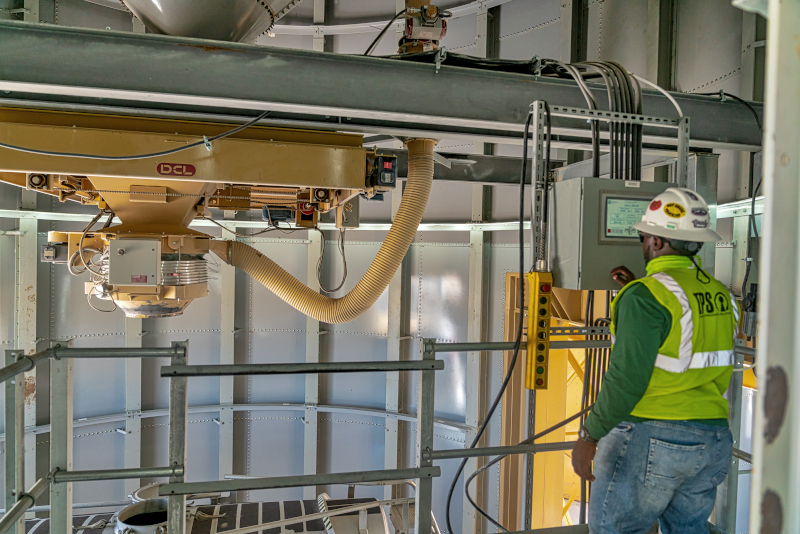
(134, 262)
(591, 230)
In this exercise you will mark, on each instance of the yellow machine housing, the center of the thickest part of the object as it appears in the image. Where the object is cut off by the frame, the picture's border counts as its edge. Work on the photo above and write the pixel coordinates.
(291, 175)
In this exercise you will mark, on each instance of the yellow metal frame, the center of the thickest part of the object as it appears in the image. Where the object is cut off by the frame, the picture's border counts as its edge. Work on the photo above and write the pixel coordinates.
(256, 155)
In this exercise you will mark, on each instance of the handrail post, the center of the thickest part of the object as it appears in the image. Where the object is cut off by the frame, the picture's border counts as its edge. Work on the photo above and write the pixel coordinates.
(25, 501)
(178, 406)
(15, 437)
(425, 395)
(61, 443)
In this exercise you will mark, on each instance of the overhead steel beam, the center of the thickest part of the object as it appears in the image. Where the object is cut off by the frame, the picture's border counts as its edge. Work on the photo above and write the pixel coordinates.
(169, 73)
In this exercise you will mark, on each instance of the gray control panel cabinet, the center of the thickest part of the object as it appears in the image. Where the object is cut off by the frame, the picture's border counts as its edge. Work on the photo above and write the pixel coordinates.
(582, 255)
(134, 262)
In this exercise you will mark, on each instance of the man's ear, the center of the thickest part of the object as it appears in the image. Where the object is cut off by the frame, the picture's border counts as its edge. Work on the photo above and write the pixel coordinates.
(658, 243)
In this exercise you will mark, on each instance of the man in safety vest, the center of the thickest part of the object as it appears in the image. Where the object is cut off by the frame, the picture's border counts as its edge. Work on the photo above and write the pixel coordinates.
(658, 432)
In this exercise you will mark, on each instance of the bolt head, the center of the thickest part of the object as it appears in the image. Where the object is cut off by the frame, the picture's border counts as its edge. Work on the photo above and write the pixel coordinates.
(121, 252)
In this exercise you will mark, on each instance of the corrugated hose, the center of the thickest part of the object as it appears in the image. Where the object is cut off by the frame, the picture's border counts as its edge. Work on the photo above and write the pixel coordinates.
(380, 272)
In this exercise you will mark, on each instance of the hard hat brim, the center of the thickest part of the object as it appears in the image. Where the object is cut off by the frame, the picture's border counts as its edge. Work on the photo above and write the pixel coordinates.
(700, 235)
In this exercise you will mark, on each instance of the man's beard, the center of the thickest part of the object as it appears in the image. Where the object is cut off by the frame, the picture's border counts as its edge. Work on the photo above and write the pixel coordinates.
(646, 255)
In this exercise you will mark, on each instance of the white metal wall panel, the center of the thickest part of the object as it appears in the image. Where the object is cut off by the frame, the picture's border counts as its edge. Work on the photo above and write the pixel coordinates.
(617, 32)
(745, 444)
(339, 434)
(202, 448)
(98, 447)
(442, 439)
(529, 29)
(99, 384)
(443, 282)
(200, 324)
(273, 331)
(461, 34)
(83, 14)
(353, 389)
(272, 446)
(708, 46)
(449, 202)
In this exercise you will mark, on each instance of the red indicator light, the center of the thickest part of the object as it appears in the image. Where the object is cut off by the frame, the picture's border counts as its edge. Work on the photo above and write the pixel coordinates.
(545, 288)
(539, 382)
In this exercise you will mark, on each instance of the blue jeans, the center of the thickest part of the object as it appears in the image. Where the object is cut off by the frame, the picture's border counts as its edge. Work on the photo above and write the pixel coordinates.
(658, 470)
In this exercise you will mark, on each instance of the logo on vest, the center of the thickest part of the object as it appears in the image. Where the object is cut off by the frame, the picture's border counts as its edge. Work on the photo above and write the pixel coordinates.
(674, 210)
(709, 305)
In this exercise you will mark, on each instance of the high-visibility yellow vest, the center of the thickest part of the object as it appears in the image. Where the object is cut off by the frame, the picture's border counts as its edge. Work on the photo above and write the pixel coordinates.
(694, 365)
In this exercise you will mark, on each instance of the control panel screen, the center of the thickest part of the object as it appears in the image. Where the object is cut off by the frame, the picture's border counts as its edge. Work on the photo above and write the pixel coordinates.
(621, 214)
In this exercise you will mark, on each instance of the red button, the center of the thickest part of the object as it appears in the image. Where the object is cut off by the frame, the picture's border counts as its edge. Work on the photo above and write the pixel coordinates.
(545, 288)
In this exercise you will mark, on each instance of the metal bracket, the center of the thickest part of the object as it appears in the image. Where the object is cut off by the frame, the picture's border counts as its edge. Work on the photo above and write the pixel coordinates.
(441, 55)
(580, 331)
(441, 160)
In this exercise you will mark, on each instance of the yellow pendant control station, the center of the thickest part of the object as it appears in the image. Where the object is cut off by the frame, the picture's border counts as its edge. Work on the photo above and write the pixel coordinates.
(540, 291)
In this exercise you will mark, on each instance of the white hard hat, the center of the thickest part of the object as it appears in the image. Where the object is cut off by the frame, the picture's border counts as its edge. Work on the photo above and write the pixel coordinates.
(679, 214)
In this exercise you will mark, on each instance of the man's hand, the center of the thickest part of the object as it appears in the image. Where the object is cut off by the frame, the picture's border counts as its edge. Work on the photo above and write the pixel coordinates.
(582, 456)
(622, 275)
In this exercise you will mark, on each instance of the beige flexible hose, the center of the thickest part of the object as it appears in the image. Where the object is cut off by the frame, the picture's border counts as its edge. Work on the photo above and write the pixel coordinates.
(380, 272)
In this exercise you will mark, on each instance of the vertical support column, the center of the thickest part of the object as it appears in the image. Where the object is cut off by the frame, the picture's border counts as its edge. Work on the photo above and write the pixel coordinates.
(25, 322)
(728, 491)
(660, 42)
(397, 329)
(133, 403)
(682, 166)
(660, 63)
(322, 14)
(400, 5)
(14, 438)
(425, 395)
(311, 417)
(751, 87)
(536, 152)
(138, 25)
(477, 331)
(573, 48)
(176, 504)
(226, 357)
(775, 490)
(703, 177)
(31, 11)
(61, 443)
(538, 236)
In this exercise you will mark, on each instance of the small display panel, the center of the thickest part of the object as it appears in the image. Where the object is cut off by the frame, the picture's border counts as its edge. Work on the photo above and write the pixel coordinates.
(621, 214)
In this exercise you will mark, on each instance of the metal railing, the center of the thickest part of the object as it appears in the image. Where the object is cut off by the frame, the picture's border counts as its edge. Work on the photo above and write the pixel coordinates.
(178, 372)
(59, 479)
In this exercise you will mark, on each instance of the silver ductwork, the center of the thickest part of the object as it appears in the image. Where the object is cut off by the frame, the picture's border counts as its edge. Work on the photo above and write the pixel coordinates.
(220, 20)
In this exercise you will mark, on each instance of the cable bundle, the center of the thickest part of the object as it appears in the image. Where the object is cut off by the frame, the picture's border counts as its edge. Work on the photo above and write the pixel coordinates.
(624, 96)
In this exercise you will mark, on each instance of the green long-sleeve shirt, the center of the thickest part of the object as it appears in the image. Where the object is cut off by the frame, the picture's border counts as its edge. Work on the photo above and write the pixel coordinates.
(642, 325)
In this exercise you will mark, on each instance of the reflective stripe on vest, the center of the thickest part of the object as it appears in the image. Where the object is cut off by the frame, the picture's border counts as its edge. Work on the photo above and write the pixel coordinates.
(687, 359)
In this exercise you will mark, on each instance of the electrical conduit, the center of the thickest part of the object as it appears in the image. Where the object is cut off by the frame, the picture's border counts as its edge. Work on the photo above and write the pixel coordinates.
(380, 272)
